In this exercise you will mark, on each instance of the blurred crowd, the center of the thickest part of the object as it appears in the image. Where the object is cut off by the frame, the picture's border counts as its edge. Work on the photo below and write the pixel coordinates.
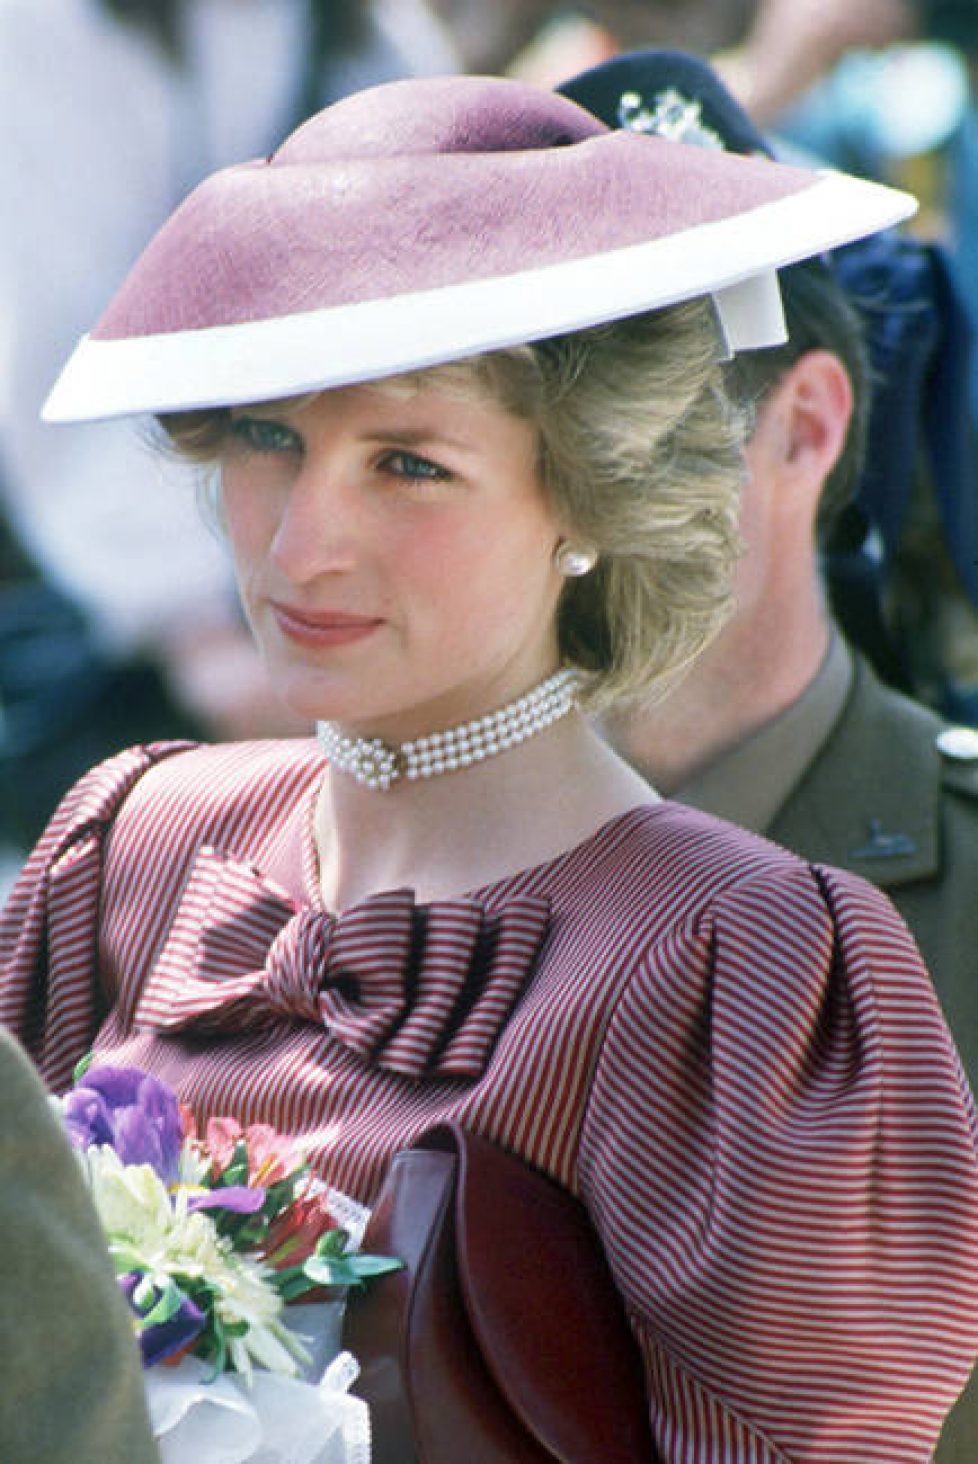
(117, 618)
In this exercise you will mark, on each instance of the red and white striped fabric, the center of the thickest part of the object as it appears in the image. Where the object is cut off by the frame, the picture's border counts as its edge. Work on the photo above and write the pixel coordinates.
(734, 1058)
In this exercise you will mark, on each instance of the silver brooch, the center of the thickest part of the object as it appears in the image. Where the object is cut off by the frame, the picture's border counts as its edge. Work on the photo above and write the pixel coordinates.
(670, 115)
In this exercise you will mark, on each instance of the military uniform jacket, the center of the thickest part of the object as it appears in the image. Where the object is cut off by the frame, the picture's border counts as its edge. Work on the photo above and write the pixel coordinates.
(883, 800)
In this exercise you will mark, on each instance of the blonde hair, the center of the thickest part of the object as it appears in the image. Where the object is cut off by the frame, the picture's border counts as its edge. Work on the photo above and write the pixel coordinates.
(641, 453)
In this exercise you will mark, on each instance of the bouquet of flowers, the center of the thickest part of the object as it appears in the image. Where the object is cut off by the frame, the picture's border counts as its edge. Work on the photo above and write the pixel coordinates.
(212, 1235)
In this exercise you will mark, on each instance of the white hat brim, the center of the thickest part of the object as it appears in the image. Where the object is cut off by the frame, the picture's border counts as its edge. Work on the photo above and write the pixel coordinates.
(342, 345)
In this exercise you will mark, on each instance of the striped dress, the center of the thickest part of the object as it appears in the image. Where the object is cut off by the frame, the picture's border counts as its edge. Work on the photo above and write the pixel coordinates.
(733, 1057)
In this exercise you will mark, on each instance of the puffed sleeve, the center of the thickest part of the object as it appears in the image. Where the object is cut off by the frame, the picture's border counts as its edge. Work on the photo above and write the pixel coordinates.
(49, 991)
(780, 1155)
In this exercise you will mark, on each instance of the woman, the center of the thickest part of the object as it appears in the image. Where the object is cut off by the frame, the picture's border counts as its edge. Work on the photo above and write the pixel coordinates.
(461, 904)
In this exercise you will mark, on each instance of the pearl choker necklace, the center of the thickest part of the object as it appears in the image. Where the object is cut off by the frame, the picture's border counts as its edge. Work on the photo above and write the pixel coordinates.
(376, 764)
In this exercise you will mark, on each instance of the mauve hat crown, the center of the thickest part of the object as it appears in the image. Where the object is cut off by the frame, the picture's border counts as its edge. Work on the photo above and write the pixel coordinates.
(402, 117)
(426, 220)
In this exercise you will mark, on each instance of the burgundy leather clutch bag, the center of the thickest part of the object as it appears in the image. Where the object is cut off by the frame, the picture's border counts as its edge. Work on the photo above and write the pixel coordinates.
(503, 1340)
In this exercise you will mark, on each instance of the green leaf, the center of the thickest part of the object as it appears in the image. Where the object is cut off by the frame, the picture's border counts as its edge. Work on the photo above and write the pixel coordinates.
(280, 1195)
(251, 1232)
(237, 1170)
(350, 1270)
(326, 1273)
(293, 1283)
(219, 1351)
(333, 1243)
(82, 1067)
(367, 1266)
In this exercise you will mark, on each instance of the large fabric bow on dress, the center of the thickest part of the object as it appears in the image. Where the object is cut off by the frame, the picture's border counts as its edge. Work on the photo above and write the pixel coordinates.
(423, 990)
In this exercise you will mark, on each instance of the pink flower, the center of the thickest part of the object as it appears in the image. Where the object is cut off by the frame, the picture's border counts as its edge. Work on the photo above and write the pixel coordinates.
(293, 1234)
(220, 1140)
(270, 1156)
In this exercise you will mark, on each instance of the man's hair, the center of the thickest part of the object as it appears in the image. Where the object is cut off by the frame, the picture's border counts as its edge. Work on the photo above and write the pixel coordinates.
(820, 317)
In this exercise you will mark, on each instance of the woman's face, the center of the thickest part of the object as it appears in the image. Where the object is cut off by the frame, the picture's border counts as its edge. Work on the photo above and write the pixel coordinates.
(394, 554)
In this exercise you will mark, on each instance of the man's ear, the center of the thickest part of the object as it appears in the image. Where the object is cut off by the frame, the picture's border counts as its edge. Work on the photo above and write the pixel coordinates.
(802, 424)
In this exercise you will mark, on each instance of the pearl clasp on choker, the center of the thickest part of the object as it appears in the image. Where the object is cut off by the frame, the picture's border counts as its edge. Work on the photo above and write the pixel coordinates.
(376, 764)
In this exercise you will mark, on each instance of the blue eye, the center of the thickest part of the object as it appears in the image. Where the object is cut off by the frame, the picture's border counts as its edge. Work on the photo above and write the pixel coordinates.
(409, 465)
(264, 434)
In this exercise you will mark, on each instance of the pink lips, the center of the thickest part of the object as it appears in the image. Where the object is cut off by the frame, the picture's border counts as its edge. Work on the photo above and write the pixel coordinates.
(324, 627)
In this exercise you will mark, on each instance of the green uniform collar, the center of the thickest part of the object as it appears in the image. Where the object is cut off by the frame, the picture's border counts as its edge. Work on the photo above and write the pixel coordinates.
(749, 783)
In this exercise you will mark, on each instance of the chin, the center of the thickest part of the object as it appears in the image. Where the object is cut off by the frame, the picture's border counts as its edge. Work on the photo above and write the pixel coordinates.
(303, 699)
(340, 687)
(313, 701)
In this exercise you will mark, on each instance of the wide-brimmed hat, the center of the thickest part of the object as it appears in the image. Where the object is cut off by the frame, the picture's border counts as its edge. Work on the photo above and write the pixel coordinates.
(427, 220)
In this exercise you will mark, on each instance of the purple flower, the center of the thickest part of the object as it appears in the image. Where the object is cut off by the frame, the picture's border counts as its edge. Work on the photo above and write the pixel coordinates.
(241, 1198)
(131, 1111)
(164, 1339)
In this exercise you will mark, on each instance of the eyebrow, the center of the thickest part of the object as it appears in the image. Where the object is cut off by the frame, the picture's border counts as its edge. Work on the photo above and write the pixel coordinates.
(418, 437)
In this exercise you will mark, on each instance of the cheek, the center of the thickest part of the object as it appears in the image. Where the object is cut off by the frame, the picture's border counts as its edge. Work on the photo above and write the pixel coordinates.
(248, 519)
(483, 572)
(443, 563)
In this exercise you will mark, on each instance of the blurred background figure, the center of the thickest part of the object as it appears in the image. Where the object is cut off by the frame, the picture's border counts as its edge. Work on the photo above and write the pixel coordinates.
(789, 46)
(544, 41)
(117, 617)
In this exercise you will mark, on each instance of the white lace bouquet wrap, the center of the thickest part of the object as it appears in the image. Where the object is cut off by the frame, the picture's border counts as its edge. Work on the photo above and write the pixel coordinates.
(271, 1420)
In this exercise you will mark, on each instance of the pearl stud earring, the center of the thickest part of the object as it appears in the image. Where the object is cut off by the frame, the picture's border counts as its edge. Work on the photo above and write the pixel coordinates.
(573, 562)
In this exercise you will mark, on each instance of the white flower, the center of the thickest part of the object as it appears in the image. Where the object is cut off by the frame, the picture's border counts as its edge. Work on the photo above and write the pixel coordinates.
(131, 1199)
(152, 1232)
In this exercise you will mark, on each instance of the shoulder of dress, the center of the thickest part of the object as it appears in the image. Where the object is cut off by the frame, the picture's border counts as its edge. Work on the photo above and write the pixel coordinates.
(274, 757)
(172, 775)
(706, 857)
(213, 784)
(232, 764)
(96, 797)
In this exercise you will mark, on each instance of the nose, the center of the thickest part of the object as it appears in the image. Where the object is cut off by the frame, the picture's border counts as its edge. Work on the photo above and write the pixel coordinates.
(319, 525)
